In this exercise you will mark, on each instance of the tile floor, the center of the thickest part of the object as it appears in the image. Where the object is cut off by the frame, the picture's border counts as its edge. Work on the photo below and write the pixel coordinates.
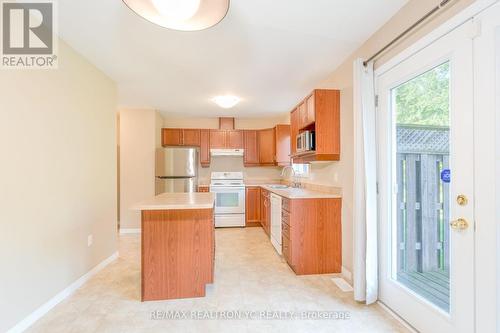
(249, 276)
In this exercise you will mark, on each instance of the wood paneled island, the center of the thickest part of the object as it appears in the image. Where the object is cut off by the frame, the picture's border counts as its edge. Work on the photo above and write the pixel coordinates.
(178, 245)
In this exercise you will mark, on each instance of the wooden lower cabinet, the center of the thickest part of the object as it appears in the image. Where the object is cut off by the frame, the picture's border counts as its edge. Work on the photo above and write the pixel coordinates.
(252, 206)
(203, 188)
(312, 235)
(177, 253)
(265, 211)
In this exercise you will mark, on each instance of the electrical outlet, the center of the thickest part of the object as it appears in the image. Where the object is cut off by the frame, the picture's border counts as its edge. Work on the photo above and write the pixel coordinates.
(90, 240)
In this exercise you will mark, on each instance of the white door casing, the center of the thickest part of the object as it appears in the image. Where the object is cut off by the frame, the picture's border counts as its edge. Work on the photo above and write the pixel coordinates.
(455, 47)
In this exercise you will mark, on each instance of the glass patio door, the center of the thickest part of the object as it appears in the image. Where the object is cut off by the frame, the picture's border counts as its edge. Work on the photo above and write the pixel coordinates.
(425, 133)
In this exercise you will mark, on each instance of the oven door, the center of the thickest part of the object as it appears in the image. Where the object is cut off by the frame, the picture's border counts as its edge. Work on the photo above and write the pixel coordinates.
(229, 200)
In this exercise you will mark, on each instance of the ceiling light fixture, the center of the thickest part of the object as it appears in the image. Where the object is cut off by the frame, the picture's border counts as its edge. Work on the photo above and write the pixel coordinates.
(185, 15)
(226, 101)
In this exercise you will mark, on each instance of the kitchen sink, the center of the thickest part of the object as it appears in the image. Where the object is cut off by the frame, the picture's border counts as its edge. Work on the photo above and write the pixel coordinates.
(277, 187)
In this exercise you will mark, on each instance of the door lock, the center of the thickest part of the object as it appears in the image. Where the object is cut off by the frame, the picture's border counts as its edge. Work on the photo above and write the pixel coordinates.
(462, 200)
(459, 224)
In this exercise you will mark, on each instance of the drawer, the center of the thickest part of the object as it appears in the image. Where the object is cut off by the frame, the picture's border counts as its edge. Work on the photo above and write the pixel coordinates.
(285, 217)
(285, 204)
(286, 249)
(285, 230)
(203, 188)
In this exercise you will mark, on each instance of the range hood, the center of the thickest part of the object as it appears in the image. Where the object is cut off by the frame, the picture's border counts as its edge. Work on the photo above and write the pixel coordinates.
(226, 152)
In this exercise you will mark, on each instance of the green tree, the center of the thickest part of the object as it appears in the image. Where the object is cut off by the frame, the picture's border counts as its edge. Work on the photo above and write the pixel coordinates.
(425, 100)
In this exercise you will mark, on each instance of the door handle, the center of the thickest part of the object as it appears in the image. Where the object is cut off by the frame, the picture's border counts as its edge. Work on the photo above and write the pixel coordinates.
(459, 224)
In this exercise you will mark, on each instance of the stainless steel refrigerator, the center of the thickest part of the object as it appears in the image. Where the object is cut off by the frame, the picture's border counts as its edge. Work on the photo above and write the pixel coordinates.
(176, 170)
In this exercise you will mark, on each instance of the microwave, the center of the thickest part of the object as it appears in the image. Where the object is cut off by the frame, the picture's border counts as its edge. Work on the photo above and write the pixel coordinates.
(305, 141)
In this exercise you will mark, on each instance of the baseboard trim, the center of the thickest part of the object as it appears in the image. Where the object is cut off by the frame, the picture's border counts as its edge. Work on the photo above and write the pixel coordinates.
(125, 231)
(397, 317)
(46, 307)
(346, 274)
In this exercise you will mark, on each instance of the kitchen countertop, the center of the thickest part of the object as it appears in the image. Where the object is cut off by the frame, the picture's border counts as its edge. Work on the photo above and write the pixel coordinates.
(171, 201)
(300, 193)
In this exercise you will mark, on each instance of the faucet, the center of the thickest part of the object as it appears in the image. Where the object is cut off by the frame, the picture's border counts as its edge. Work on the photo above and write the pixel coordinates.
(295, 183)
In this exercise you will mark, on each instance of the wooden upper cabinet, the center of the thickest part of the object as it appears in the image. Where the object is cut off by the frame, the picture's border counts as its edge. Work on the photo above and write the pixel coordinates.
(327, 125)
(267, 146)
(171, 137)
(191, 137)
(252, 206)
(217, 139)
(303, 115)
(294, 130)
(283, 145)
(251, 146)
(310, 111)
(180, 137)
(205, 147)
(319, 112)
(234, 139)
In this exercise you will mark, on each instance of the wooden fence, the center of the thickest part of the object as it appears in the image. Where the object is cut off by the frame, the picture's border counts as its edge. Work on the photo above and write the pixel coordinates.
(423, 203)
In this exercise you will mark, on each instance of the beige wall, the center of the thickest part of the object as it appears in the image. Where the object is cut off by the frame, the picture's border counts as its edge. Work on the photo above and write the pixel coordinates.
(57, 180)
(139, 136)
(341, 173)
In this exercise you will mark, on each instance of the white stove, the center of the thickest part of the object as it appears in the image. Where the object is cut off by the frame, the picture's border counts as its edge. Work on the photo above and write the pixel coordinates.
(229, 190)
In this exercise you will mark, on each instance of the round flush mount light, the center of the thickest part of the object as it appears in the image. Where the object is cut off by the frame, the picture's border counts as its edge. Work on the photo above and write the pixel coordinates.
(226, 101)
(185, 15)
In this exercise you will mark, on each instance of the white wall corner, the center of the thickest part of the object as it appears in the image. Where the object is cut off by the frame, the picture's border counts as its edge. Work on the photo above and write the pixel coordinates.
(346, 274)
(46, 307)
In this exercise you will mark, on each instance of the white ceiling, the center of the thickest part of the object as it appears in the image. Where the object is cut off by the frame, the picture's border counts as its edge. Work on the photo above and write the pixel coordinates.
(271, 53)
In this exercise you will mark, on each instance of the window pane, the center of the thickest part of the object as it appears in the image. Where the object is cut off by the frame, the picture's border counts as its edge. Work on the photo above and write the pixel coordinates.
(421, 248)
(301, 169)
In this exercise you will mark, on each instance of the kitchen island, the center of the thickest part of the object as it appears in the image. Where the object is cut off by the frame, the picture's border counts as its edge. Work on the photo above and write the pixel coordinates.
(177, 245)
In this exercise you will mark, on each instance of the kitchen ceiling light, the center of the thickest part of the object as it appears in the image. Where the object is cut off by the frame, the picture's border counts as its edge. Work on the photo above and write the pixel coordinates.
(185, 15)
(227, 101)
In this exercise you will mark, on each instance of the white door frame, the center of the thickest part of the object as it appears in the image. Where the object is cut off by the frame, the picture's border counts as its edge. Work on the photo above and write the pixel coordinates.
(455, 47)
(488, 199)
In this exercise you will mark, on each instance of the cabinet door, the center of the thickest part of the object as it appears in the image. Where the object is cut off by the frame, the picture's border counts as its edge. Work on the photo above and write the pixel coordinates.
(251, 145)
(252, 211)
(294, 129)
(191, 137)
(205, 148)
(217, 139)
(264, 203)
(283, 145)
(267, 147)
(203, 188)
(302, 115)
(310, 110)
(171, 137)
(234, 139)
